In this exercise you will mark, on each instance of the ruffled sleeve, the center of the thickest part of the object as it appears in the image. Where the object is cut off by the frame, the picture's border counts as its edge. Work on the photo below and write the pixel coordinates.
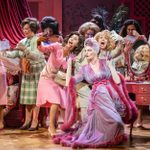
(71, 109)
(49, 48)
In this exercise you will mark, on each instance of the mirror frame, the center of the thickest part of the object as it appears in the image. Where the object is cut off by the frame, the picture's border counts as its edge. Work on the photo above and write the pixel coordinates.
(134, 76)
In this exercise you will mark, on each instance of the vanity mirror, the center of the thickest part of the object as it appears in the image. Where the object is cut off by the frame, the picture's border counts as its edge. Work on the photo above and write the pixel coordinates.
(138, 61)
(138, 72)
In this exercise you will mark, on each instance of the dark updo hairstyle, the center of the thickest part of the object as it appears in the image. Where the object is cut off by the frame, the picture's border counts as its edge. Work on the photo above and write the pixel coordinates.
(138, 43)
(80, 45)
(128, 22)
(32, 22)
(51, 22)
(98, 20)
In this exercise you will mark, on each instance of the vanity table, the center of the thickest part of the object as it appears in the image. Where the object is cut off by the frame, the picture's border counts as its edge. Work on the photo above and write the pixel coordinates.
(138, 71)
(137, 58)
(141, 90)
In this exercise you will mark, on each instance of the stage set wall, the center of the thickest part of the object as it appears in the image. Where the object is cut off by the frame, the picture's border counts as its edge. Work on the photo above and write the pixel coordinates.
(72, 13)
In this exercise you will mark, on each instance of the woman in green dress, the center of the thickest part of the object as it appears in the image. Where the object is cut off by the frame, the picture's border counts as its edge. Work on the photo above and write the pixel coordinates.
(32, 62)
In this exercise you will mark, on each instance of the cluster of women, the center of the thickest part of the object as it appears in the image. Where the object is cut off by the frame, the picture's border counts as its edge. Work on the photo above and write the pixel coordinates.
(94, 113)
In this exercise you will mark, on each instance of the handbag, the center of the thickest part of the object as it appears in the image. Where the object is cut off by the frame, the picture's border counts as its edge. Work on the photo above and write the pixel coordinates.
(81, 85)
(25, 65)
(63, 78)
(60, 78)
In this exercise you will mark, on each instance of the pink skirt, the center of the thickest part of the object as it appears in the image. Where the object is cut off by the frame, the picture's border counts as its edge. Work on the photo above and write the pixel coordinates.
(49, 92)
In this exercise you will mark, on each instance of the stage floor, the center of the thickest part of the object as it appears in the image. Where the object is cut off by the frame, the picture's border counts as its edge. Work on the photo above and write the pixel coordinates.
(14, 139)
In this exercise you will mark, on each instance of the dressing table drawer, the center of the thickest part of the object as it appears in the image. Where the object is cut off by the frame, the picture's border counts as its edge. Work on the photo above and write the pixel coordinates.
(144, 89)
(141, 92)
(138, 88)
(143, 99)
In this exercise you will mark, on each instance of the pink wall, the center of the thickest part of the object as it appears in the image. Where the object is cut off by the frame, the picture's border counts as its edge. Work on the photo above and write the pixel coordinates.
(41, 8)
(76, 12)
(72, 13)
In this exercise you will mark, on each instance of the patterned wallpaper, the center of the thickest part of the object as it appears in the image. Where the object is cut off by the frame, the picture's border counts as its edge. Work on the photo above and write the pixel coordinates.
(76, 12)
(141, 12)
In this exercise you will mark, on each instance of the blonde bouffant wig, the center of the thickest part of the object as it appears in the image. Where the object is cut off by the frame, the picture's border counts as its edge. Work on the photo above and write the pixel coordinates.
(106, 34)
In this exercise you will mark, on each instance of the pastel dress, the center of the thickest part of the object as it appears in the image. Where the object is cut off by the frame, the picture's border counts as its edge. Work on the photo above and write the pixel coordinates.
(108, 109)
(140, 66)
(29, 81)
(3, 85)
(84, 92)
(49, 92)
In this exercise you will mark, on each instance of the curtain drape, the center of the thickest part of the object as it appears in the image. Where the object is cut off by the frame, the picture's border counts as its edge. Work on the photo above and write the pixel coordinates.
(12, 12)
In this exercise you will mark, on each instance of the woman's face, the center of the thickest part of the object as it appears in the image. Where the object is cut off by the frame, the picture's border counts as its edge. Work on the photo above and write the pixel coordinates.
(89, 33)
(27, 31)
(72, 42)
(137, 56)
(130, 30)
(90, 53)
(145, 52)
(103, 41)
(48, 32)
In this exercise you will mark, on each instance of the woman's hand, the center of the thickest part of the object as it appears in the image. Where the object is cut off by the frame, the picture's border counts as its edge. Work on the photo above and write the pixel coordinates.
(135, 33)
(128, 46)
(138, 36)
(120, 45)
(113, 71)
(21, 47)
(109, 63)
(141, 37)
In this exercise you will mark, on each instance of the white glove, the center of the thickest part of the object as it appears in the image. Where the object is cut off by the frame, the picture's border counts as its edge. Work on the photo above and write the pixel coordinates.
(116, 37)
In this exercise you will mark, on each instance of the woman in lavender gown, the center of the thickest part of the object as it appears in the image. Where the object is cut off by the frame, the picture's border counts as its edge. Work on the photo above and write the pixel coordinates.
(108, 109)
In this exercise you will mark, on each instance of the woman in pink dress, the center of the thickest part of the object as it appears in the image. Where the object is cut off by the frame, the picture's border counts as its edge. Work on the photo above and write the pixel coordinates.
(3, 92)
(50, 94)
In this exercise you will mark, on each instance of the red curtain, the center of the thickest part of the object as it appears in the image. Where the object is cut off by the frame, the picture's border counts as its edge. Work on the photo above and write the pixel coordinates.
(12, 12)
